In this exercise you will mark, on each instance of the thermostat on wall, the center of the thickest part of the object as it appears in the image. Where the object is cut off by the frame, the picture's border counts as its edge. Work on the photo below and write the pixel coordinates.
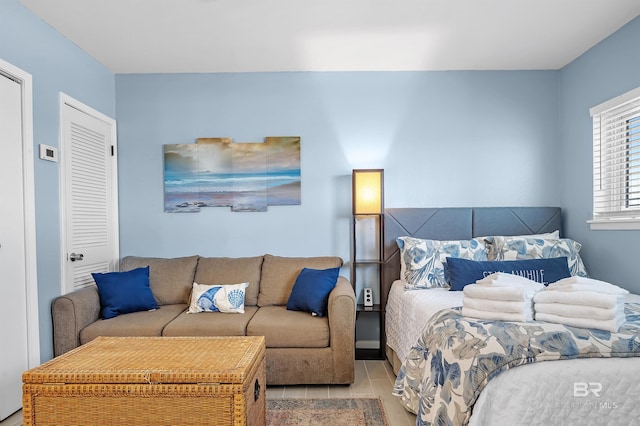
(48, 153)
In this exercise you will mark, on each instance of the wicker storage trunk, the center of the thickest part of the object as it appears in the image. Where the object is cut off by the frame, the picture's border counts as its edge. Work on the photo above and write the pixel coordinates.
(150, 381)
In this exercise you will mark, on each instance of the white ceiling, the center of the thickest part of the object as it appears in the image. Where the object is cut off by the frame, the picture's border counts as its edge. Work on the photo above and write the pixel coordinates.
(170, 36)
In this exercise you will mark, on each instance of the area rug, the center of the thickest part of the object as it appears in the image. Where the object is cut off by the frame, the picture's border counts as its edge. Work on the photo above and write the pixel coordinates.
(326, 412)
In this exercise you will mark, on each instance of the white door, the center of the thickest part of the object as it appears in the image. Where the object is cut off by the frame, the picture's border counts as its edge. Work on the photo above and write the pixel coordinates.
(90, 212)
(13, 299)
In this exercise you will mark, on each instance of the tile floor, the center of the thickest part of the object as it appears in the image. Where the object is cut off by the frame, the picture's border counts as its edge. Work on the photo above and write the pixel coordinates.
(373, 379)
(15, 420)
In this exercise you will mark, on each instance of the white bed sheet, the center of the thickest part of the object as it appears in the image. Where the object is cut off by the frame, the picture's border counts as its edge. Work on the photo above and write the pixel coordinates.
(543, 393)
(408, 311)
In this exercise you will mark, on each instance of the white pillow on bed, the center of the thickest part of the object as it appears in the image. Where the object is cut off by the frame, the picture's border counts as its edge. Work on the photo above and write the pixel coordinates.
(422, 261)
(545, 236)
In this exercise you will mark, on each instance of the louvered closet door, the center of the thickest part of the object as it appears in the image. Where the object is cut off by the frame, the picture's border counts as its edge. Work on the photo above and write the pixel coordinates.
(90, 200)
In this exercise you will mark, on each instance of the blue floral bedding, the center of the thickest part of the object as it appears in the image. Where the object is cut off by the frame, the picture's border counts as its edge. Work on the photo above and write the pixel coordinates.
(456, 357)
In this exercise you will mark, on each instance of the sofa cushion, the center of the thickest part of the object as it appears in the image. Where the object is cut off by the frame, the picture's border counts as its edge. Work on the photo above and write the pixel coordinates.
(147, 323)
(210, 324)
(279, 275)
(170, 279)
(289, 329)
(225, 270)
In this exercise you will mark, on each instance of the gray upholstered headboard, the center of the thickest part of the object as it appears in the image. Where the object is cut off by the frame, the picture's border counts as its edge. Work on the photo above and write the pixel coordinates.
(459, 223)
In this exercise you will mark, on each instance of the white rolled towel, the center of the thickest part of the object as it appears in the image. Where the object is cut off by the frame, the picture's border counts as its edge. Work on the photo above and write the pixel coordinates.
(503, 279)
(516, 293)
(507, 306)
(579, 311)
(498, 316)
(583, 298)
(612, 325)
(576, 283)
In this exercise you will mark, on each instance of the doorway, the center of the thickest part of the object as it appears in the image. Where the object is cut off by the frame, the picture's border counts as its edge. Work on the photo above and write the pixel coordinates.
(18, 299)
(88, 153)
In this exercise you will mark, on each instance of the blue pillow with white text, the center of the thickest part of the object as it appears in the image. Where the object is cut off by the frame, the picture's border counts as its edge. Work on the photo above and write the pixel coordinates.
(462, 271)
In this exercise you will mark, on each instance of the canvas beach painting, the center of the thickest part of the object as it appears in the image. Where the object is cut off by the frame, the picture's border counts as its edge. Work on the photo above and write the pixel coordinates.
(249, 162)
(217, 172)
(181, 182)
(283, 171)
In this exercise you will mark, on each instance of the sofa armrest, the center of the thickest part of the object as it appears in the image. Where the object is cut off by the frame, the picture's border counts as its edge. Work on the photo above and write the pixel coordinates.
(71, 313)
(342, 329)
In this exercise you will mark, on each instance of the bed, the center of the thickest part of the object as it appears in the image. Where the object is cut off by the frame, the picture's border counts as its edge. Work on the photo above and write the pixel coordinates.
(566, 391)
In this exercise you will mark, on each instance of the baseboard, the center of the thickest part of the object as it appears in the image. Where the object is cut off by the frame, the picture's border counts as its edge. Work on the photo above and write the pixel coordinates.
(368, 344)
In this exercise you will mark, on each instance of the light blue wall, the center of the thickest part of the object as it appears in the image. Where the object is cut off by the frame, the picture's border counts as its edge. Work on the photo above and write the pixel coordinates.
(56, 65)
(609, 69)
(443, 138)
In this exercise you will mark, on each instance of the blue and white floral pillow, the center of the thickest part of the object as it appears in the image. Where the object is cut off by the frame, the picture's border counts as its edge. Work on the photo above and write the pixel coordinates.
(218, 298)
(512, 248)
(422, 261)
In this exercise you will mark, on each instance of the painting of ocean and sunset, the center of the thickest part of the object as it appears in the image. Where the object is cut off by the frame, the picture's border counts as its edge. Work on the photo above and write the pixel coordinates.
(216, 172)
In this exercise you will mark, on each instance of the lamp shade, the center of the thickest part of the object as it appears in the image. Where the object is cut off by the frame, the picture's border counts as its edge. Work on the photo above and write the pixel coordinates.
(368, 191)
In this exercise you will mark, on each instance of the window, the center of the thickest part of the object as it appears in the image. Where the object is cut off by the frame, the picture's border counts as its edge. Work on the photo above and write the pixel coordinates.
(616, 163)
(633, 157)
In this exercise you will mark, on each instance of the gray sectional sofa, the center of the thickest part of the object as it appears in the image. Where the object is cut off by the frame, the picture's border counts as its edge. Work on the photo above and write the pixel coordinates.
(301, 348)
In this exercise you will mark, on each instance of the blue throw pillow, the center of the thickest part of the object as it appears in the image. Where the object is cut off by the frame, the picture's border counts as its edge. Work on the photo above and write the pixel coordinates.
(124, 292)
(462, 271)
(311, 291)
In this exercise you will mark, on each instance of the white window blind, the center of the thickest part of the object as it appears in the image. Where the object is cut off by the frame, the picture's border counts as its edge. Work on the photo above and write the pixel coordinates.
(616, 160)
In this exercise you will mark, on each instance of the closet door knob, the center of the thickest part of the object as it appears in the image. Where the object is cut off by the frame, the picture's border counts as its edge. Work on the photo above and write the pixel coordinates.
(76, 257)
